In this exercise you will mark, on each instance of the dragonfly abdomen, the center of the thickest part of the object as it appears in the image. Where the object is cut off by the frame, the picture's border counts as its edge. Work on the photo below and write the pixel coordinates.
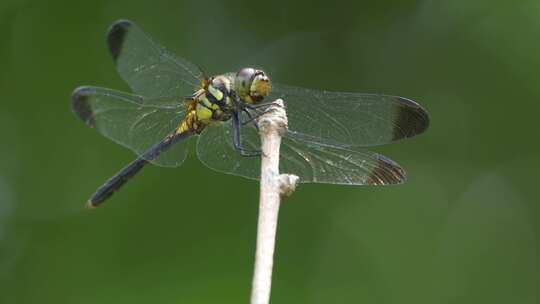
(124, 175)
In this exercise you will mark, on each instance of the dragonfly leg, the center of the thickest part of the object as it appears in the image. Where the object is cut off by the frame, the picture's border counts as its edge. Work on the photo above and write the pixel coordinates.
(237, 138)
(260, 105)
(256, 109)
(251, 119)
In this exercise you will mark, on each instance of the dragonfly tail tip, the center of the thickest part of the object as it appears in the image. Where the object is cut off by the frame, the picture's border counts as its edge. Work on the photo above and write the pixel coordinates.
(90, 205)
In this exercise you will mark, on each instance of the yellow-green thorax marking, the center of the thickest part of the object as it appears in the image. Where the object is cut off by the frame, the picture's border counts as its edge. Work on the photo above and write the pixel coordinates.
(214, 102)
(220, 96)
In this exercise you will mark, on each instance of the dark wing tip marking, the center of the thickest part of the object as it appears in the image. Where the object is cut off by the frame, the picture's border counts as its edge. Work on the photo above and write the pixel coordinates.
(386, 172)
(411, 120)
(116, 37)
(81, 106)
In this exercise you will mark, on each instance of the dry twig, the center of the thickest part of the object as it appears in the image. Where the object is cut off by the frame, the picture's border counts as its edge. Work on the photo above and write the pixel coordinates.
(273, 185)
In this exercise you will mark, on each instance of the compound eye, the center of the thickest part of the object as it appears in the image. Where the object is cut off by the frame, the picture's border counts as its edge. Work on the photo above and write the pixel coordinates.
(246, 73)
(243, 81)
(260, 86)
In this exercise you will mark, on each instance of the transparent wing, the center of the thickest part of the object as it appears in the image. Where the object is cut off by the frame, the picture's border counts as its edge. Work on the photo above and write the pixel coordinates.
(133, 121)
(349, 119)
(148, 68)
(215, 149)
(312, 162)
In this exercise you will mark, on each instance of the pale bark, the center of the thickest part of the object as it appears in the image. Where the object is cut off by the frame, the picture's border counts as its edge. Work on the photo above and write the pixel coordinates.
(272, 125)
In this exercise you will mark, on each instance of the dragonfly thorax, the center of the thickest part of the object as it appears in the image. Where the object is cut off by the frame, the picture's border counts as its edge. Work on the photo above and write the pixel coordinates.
(220, 95)
(214, 100)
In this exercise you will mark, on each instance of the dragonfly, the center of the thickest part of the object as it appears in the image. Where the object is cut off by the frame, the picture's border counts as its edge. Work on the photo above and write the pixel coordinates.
(172, 100)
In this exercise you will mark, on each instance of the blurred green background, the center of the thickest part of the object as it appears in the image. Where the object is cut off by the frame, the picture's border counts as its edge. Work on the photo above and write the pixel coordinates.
(464, 229)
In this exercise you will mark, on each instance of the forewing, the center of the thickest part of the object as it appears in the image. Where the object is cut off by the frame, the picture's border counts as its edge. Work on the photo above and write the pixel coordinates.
(311, 161)
(135, 122)
(148, 68)
(349, 119)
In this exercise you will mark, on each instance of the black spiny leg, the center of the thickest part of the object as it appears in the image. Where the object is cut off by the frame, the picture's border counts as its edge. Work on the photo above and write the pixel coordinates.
(251, 119)
(256, 107)
(236, 138)
(260, 105)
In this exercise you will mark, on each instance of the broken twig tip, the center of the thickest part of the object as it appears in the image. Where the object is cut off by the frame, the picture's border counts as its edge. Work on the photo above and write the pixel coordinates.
(275, 119)
(287, 184)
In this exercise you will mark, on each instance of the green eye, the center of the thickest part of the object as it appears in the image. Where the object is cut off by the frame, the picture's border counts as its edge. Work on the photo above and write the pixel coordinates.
(243, 82)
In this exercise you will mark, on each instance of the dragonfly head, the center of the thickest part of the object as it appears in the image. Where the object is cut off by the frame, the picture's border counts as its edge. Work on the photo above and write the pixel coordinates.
(251, 85)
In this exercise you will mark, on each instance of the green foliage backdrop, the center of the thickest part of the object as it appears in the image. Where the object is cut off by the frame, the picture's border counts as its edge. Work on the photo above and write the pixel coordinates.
(464, 229)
